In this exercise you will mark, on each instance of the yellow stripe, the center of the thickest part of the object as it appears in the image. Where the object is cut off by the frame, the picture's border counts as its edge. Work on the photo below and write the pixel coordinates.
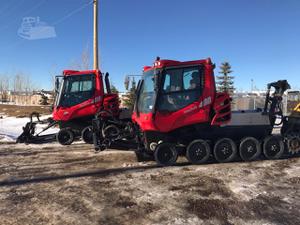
(297, 108)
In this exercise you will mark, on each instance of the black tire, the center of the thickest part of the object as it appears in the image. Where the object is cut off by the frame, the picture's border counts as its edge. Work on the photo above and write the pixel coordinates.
(225, 150)
(198, 151)
(273, 147)
(65, 136)
(165, 154)
(250, 149)
(87, 135)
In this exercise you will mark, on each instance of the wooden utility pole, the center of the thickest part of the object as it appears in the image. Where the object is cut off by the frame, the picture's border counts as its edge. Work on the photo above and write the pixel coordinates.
(96, 63)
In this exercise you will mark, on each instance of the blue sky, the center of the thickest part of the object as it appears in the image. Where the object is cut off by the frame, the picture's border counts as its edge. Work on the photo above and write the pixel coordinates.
(260, 38)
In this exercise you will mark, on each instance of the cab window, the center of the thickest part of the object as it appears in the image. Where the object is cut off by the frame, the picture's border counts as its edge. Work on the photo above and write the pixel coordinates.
(180, 88)
(77, 89)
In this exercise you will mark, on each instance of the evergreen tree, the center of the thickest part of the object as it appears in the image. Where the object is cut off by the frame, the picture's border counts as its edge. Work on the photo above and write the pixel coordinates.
(126, 82)
(114, 89)
(44, 100)
(130, 97)
(225, 82)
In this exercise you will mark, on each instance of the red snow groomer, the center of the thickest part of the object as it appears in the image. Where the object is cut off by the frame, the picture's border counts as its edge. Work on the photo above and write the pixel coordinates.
(79, 96)
(178, 111)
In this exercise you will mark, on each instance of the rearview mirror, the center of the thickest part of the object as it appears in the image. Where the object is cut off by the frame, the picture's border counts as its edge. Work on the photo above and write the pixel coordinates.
(57, 82)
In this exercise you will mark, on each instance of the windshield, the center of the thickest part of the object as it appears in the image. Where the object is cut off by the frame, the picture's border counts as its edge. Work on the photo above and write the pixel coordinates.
(76, 89)
(146, 97)
(180, 88)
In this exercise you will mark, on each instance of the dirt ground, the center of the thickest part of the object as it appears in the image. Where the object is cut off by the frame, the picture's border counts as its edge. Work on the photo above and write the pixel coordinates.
(51, 184)
(23, 111)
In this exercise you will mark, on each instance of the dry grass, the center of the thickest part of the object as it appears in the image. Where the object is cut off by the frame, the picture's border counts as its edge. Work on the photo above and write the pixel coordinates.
(23, 111)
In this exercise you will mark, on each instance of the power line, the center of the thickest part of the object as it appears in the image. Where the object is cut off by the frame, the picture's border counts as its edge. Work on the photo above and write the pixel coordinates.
(72, 13)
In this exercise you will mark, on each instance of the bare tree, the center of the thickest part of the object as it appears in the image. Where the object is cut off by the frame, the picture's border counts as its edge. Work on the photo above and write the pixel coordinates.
(23, 83)
(4, 87)
(1, 84)
(85, 58)
(83, 62)
(28, 85)
(52, 74)
(18, 85)
(1, 88)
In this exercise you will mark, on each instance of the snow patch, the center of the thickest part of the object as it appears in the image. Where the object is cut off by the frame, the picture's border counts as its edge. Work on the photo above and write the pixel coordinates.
(11, 128)
(6, 138)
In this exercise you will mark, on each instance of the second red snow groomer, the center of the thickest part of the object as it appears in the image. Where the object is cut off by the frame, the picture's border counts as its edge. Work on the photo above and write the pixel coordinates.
(179, 111)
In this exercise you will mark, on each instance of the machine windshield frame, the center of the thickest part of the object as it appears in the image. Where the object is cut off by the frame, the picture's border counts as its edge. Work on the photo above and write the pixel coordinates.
(68, 96)
(146, 91)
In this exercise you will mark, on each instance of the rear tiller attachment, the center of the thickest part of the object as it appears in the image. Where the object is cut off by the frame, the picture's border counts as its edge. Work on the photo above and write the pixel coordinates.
(28, 136)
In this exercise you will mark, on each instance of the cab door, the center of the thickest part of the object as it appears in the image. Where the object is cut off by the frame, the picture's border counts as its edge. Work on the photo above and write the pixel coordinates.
(180, 98)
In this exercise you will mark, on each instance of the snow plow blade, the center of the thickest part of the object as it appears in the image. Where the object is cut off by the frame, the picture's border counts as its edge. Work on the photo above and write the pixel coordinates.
(28, 136)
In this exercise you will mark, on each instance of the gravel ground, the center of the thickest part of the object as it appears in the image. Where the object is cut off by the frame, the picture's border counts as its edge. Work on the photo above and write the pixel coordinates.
(51, 184)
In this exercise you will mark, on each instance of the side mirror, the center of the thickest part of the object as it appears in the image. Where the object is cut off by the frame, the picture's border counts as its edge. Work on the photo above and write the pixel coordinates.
(56, 84)
(156, 79)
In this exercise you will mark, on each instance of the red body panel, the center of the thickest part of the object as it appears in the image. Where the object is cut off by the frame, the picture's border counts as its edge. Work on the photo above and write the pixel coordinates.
(199, 111)
(90, 106)
(222, 109)
(111, 103)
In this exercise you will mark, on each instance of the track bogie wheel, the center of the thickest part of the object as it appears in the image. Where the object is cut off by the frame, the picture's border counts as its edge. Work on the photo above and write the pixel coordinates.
(273, 147)
(225, 150)
(165, 154)
(198, 151)
(87, 135)
(65, 136)
(111, 131)
(293, 142)
(250, 149)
